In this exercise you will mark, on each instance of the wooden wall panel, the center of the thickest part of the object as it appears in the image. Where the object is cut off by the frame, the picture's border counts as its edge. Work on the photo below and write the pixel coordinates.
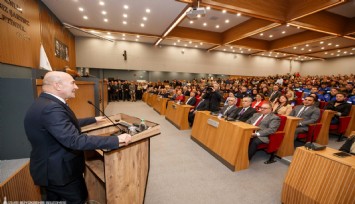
(51, 29)
(19, 39)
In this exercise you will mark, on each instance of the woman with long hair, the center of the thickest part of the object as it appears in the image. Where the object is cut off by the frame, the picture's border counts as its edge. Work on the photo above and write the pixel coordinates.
(281, 106)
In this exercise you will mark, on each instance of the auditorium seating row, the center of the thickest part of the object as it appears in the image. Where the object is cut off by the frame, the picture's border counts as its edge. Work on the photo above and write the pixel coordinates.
(228, 141)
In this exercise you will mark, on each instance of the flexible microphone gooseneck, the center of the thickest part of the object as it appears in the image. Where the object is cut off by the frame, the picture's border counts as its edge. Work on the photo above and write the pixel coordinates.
(89, 102)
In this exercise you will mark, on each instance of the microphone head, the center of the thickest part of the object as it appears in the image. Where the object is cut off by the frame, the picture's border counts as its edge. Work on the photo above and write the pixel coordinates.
(89, 102)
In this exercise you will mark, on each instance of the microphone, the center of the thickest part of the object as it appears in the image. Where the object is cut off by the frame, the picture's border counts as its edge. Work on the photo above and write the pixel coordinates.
(91, 103)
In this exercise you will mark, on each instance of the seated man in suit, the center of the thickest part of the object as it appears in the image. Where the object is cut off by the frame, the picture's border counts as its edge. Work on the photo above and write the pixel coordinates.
(275, 93)
(243, 113)
(192, 100)
(308, 112)
(203, 105)
(268, 123)
(340, 105)
(228, 110)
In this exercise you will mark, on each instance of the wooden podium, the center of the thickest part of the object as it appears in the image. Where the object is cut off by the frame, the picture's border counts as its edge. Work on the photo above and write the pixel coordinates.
(119, 176)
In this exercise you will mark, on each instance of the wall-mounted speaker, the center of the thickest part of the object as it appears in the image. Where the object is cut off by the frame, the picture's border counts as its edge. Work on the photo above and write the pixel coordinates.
(124, 55)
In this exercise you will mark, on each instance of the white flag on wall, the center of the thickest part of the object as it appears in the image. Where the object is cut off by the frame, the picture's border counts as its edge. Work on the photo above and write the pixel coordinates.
(43, 60)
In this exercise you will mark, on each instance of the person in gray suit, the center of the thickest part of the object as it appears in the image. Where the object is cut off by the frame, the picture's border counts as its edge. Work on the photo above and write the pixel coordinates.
(268, 123)
(308, 112)
(229, 109)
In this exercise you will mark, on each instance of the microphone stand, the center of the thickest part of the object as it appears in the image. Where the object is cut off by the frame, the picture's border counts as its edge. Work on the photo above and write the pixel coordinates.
(120, 129)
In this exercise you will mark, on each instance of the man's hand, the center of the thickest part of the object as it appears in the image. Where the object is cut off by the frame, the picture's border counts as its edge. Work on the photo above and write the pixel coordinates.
(124, 139)
(100, 118)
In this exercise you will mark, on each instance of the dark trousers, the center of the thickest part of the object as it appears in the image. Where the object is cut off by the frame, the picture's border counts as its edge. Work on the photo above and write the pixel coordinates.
(74, 192)
(254, 142)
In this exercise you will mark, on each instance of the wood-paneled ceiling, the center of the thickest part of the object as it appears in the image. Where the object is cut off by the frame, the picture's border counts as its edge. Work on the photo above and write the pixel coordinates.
(284, 29)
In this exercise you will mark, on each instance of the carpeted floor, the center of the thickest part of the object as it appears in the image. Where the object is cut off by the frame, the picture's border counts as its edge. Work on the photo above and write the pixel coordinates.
(182, 172)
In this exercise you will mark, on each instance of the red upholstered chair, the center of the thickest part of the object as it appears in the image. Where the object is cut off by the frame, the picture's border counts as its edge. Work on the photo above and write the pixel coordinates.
(322, 104)
(313, 130)
(238, 102)
(275, 141)
(340, 129)
(299, 101)
(299, 94)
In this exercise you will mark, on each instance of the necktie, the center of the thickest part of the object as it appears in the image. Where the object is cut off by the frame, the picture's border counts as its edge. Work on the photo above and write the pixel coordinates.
(259, 121)
(301, 111)
(241, 112)
(188, 100)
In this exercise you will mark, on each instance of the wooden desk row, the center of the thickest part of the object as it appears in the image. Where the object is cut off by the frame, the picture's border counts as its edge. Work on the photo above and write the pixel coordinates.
(319, 177)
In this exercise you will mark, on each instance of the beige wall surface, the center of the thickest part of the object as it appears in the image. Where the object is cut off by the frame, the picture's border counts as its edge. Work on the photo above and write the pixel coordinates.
(97, 53)
(343, 65)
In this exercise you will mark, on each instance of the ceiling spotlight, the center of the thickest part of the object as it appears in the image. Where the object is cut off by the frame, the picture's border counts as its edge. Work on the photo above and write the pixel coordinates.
(174, 43)
(85, 17)
(191, 22)
(224, 11)
(196, 46)
(321, 42)
(208, 8)
(145, 18)
(142, 24)
(287, 25)
(190, 42)
(108, 33)
(329, 44)
(307, 45)
(322, 48)
(326, 53)
(261, 34)
(338, 51)
(309, 50)
(124, 15)
(103, 12)
(302, 49)
(224, 49)
(217, 26)
(126, 7)
(102, 3)
(123, 34)
(105, 19)
(124, 22)
(178, 40)
(336, 45)
(345, 52)
(239, 14)
(198, 15)
(81, 9)
(226, 21)
(137, 39)
(123, 38)
(294, 48)
(138, 36)
(270, 36)
(201, 43)
(147, 10)
(204, 24)
(283, 32)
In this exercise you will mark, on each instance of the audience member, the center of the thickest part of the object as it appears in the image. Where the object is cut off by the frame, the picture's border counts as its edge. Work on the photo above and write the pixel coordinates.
(243, 113)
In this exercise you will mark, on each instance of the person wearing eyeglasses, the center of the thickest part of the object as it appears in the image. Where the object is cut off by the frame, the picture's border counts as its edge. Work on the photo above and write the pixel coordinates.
(308, 112)
(268, 123)
(243, 113)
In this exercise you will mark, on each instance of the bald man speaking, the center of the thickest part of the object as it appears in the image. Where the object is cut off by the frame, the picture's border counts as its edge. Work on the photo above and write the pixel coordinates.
(57, 158)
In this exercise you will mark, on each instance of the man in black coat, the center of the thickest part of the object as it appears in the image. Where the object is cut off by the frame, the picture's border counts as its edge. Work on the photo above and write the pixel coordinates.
(340, 105)
(243, 113)
(57, 158)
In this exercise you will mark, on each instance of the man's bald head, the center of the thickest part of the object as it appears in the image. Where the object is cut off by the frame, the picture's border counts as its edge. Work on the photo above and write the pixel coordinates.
(60, 84)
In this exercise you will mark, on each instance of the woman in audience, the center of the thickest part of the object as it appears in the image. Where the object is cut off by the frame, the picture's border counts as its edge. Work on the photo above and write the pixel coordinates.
(281, 106)
(290, 94)
(259, 100)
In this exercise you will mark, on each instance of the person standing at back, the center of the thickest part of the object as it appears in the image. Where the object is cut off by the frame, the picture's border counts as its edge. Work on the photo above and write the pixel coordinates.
(57, 159)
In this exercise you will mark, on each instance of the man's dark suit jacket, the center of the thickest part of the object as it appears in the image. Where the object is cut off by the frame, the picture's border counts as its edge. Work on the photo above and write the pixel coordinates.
(344, 108)
(243, 117)
(275, 95)
(191, 101)
(229, 112)
(57, 142)
(268, 125)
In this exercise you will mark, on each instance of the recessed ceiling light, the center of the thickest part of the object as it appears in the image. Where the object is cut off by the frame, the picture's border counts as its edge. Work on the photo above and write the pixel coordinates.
(190, 42)
(329, 44)
(137, 39)
(224, 11)
(93, 31)
(240, 48)
(307, 45)
(338, 55)
(284, 54)
(201, 43)
(196, 46)
(123, 34)
(302, 49)
(298, 27)
(351, 53)
(174, 43)
(321, 42)
(231, 47)
(270, 36)
(249, 50)
(208, 8)
(191, 22)
(261, 34)
(217, 26)
(142, 24)
(345, 52)
(145, 18)
(322, 48)
(178, 40)
(138, 36)
(108, 33)
(185, 45)
(283, 32)
(353, 49)
(124, 22)
(124, 15)
(85, 17)
(336, 45)
(294, 48)
(332, 54)
(326, 53)
(338, 51)
(123, 38)
(262, 54)
(126, 7)
(102, 3)
(242, 52)
(233, 50)
(81, 9)
(147, 10)
(198, 15)
(224, 49)
(204, 24)
(103, 12)
(287, 25)
(310, 50)
(239, 14)
(105, 19)
(226, 21)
